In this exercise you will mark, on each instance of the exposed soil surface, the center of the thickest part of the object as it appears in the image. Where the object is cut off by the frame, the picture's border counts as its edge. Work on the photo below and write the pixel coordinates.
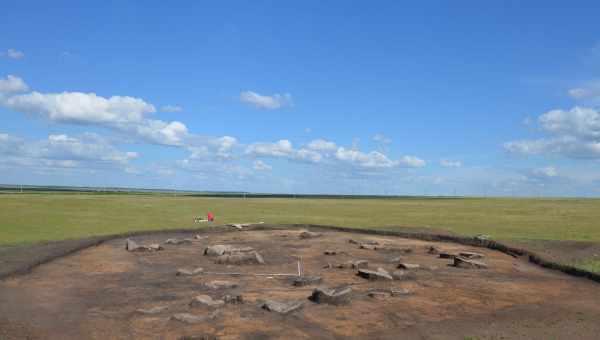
(97, 293)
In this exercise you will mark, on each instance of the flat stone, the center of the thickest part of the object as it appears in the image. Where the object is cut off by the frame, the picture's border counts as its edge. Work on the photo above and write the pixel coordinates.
(152, 311)
(200, 237)
(471, 255)
(402, 275)
(192, 319)
(482, 237)
(306, 281)
(131, 245)
(445, 255)
(188, 272)
(175, 241)
(282, 307)
(332, 296)
(221, 249)
(408, 266)
(360, 264)
(380, 295)
(233, 299)
(369, 246)
(468, 264)
(433, 250)
(370, 242)
(373, 275)
(217, 284)
(400, 292)
(309, 234)
(205, 301)
(252, 257)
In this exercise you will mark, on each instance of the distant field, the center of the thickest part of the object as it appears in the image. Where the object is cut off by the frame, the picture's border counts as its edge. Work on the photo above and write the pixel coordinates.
(27, 218)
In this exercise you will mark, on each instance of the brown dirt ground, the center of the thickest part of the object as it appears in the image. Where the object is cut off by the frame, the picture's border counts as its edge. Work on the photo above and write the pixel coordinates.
(94, 293)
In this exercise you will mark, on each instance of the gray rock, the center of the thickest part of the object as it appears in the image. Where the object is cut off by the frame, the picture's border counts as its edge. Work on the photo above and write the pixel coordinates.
(400, 292)
(445, 255)
(380, 295)
(373, 275)
(223, 249)
(306, 281)
(175, 241)
(187, 272)
(409, 266)
(332, 296)
(433, 250)
(282, 307)
(471, 255)
(369, 246)
(468, 264)
(131, 245)
(309, 234)
(205, 301)
(252, 257)
(217, 284)
(368, 242)
(152, 311)
(360, 264)
(482, 237)
(192, 319)
(233, 299)
(403, 275)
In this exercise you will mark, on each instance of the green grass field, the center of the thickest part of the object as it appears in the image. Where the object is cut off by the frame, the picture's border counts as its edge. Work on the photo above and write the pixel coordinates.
(31, 217)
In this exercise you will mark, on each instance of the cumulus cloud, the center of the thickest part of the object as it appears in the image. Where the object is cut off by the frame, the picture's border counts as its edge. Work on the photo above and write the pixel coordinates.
(545, 172)
(280, 148)
(322, 145)
(12, 84)
(275, 101)
(13, 54)
(261, 166)
(61, 150)
(380, 138)
(123, 113)
(171, 108)
(375, 159)
(573, 133)
(450, 163)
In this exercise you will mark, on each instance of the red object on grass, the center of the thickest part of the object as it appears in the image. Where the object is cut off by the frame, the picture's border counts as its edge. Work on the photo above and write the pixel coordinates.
(210, 217)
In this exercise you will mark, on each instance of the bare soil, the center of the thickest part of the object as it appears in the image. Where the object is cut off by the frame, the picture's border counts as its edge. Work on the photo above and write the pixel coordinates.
(94, 293)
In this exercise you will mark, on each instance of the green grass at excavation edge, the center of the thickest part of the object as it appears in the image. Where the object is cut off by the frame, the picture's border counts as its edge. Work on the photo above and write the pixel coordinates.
(36, 217)
(592, 265)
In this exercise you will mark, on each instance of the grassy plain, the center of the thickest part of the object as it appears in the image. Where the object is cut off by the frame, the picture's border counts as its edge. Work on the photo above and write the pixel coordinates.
(31, 217)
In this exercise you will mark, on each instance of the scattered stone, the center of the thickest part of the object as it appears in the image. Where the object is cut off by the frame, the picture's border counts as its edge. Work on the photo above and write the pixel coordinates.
(152, 311)
(471, 255)
(233, 299)
(221, 285)
(433, 250)
(360, 264)
(205, 301)
(468, 264)
(482, 237)
(328, 266)
(309, 234)
(373, 275)
(370, 242)
(395, 259)
(445, 255)
(199, 337)
(175, 241)
(240, 258)
(369, 246)
(402, 275)
(191, 318)
(187, 272)
(220, 249)
(400, 292)
(282, 307)
(408, 266)
(403, 250)
(380, 295)
(332, 296)
(199, 237)
(306, 281)
(132, 246)
(330, 252)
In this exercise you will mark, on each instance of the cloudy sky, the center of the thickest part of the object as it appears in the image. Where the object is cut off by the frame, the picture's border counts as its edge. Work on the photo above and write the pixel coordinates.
(439, 98)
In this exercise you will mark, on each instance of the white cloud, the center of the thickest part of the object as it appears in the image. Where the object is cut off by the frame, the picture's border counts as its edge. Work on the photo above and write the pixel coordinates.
(261, 166)
(12, 84)
(375, 159)
(275, 101)
(380, 138)
(122, 113)
(589, 91)
(60, 150)
(450, 164)
(411, 162)
(278, 149)
(574, 133)
(13, 54)
(546, 172)
(308, 155)
(171, 108)
(322, 145)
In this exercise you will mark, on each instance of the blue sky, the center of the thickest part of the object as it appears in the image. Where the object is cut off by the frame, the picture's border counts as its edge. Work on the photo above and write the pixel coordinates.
(440, 97)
